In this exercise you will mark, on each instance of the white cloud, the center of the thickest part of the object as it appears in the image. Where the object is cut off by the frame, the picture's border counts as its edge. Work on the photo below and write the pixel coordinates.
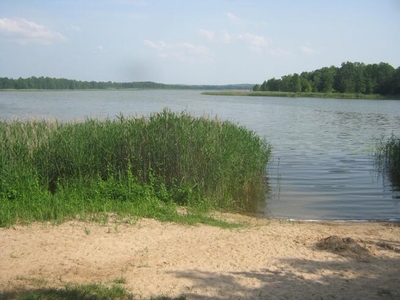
(279, 52)
(181, 51)
(100, 48)
(25, 32)
(208, 34)
(308, 50)
(257, 41)
(161, 45)
(227, 37)
(233, 17)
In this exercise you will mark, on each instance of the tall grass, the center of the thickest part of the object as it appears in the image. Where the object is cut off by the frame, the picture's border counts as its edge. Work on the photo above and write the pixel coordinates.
(388, 159)
(142, 166)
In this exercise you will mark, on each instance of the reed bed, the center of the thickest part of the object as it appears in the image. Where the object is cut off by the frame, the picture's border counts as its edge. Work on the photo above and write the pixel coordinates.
(138, 166)
(388, 160)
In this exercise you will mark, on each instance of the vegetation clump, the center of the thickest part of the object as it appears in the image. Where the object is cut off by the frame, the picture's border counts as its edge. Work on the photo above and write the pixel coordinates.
(388, 160)
(132, 166)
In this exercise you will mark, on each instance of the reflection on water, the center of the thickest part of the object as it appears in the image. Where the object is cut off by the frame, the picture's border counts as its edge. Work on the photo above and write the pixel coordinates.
(322, 166)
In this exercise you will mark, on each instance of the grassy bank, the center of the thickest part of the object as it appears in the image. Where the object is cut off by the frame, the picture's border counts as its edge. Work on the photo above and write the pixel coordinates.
(298, 95)
(141, 167)
(94, 291)
(388, 160)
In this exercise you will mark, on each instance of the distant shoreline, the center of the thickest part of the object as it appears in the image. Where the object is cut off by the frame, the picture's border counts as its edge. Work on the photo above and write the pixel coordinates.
(300, 95)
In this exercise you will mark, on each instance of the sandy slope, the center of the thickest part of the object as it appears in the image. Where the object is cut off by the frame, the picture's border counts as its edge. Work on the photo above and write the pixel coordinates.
(264, 260)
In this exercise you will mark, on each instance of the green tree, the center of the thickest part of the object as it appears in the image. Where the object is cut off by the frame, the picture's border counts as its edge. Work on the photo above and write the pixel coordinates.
(396, 82)
(327, 79)
(305, 85)
(274, 85)
(344, 80)
(295, 85)
(20, 84)
(384, 79)
(286, 83)
(264, 86)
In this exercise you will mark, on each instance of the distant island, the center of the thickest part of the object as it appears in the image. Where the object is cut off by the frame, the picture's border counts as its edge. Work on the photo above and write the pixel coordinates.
(48, 83)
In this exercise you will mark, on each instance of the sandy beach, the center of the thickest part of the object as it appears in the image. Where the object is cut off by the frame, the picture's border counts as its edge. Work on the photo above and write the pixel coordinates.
(265, 259)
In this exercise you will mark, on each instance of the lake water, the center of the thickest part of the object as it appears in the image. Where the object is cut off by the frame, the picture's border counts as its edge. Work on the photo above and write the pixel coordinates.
(322, 167)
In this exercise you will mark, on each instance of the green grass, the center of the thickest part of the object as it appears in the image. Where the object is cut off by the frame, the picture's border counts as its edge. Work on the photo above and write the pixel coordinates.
(143, 167)
(388, 160)
(92, 291)
(298, 95)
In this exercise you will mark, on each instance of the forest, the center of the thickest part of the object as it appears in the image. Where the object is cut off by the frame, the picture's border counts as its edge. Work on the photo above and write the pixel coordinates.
(350, 77)
(48, 83)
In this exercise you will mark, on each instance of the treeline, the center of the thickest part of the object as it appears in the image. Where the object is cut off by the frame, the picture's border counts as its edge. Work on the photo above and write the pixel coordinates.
(350, 78)
(48, 83)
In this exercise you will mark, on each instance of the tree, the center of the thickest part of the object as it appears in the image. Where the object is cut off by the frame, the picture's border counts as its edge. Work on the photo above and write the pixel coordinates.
(20, 84)
(351, 77)
(274, 85)
(344, 80)
(286, 83)
(295, 83)
(384, 79)
(264, 86)
(327, 79)
(396, 82)
(305, 85)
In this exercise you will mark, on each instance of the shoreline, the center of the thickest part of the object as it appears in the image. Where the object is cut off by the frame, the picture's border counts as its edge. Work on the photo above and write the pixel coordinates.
(264, 259)
(301, 95)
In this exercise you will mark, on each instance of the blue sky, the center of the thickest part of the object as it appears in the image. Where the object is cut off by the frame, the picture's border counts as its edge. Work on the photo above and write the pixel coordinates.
(193, 42)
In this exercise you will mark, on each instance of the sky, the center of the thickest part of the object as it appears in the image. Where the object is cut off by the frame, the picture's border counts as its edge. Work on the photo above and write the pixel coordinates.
(193, 41)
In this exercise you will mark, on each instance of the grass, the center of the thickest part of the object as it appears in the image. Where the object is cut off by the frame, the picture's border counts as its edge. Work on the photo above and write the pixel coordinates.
(92, 291)
(298, 95)
(388, 160)
(143, 167)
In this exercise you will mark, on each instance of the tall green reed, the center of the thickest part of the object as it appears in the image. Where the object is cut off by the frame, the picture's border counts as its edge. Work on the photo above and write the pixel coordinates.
(112, 165)
(388, 159)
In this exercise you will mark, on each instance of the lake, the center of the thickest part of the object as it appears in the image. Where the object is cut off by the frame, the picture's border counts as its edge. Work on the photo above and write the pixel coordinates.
(322, 166)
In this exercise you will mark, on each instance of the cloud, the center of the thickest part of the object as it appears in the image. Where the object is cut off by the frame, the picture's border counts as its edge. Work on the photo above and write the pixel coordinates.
(279, 52)
(308, 50)
(100, 48)
(156, 45)
(208, 34)
(256, 43)
(233, 17)
(185, 51)
(25, 32)
(227, 37)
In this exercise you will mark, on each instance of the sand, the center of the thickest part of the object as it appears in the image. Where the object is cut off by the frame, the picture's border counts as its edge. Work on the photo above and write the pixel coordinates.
(266, 259)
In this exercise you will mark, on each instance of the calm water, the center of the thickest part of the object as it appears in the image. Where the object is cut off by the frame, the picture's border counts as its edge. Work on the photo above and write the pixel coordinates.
(323, 148)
